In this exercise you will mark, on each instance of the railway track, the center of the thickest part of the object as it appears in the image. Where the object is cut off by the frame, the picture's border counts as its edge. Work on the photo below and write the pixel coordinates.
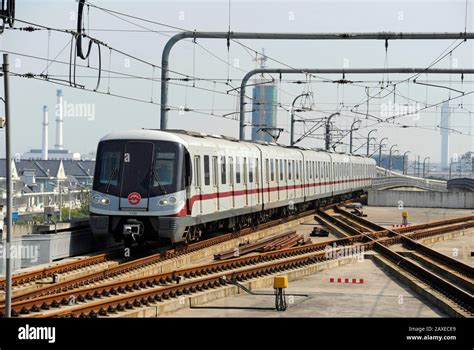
(450, 279)
(108, 298)
(123, 268)
(230, 268)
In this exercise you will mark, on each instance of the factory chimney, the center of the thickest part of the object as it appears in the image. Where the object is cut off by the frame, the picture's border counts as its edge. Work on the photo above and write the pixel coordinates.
(59, 120)
(445, 128)
(44, 145)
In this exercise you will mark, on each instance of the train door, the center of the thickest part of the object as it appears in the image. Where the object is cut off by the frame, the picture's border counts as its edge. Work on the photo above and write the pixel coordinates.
(267, 179)
(257, 180)
(245, 182)
(277, 179)
(231, 181)
(197, 185)
(215, 181)
(293, 182)
(137, 172)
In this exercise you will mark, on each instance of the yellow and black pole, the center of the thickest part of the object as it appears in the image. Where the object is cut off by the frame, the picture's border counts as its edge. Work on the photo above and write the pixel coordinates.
(280, 283)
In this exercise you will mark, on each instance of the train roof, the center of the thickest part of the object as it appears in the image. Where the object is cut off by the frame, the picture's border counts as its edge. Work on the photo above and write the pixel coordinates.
(186, 137)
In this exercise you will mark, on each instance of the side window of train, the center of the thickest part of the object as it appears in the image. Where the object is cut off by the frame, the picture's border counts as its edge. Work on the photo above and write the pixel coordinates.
(272, 171)
(237, 170)
(223, 171)
(277, 166)
(281, 169)
(297, 171)
(197, 171)
(215, 177)
(257, 177)
(230, 161)
(188, 171)
(286, 169)
(245, 171)
(207, 174)
(251, 167)
(267, 170)
(289, 170)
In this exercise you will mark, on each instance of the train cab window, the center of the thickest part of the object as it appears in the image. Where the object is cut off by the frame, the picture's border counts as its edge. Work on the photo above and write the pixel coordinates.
(293, 169)
(197, 171)
(207, 173)
(237, 170)
(272, 171)
(286, 170)
(223, 171)
(289, 170)
(297, 171)
(281, 169)
(245, 171)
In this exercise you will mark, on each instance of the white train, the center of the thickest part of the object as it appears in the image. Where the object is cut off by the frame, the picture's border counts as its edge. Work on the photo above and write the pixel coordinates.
(178, 184)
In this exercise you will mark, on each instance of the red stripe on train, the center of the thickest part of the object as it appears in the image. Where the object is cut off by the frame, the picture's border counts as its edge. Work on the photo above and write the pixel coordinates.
(201, 197)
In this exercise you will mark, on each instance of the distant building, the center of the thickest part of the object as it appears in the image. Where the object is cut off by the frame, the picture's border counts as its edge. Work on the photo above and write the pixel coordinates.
(263, 111)
(53, 154)
(445, 127)
(465, 165)
(41, 175)
(79, 172)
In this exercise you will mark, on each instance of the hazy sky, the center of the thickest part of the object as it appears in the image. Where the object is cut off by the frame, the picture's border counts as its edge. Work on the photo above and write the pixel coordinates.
(208, 59)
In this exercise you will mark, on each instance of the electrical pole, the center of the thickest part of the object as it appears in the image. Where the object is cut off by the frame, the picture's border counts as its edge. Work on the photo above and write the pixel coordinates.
(328, 131)
(368, 141)
(292, 117)
(418, 167)
(350, 139)
(405, 163)
(380, 150)
(8, 165)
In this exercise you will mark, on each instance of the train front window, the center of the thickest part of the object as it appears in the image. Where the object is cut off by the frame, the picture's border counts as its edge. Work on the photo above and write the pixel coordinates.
(151, 168)
(168, 170)
(108, 167)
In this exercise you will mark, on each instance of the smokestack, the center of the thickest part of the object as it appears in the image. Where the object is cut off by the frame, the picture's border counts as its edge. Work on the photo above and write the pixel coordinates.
(44, 144)
(59, 120)
(445, 126)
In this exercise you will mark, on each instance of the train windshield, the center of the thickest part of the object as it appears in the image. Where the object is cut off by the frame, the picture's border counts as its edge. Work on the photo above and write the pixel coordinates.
(151, 168)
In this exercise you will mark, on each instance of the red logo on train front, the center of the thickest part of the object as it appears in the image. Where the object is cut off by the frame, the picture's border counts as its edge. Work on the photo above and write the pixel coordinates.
(134, 198)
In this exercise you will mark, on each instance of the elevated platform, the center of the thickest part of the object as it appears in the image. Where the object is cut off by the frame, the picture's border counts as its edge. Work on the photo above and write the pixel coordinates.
(421, 199)
(390, 179)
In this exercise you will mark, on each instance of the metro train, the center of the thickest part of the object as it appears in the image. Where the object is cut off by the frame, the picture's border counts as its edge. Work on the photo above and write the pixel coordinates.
(176, 185)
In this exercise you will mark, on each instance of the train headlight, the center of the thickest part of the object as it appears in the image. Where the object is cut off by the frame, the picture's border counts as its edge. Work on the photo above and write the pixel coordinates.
(98, 199)
(168, 201)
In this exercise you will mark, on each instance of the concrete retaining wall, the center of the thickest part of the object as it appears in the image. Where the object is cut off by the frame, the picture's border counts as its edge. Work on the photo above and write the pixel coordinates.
(422, 199)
